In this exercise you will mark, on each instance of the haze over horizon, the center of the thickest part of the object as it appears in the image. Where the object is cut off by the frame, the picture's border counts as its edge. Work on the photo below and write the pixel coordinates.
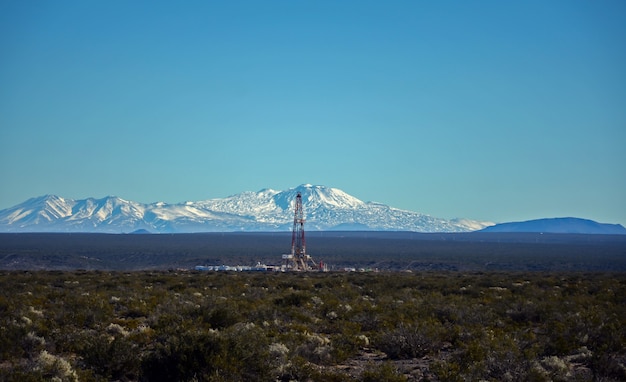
(487, 110)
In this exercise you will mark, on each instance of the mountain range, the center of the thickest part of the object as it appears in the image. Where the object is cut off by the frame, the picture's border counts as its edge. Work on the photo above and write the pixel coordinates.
(325, 208)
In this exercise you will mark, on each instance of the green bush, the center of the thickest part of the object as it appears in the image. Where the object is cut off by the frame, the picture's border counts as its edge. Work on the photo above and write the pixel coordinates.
(411, 340)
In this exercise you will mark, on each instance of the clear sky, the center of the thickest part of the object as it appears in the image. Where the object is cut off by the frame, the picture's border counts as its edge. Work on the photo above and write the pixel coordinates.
(490, 110)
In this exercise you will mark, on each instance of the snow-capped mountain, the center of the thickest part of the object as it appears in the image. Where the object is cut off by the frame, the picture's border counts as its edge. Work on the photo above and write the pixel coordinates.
(325, 208)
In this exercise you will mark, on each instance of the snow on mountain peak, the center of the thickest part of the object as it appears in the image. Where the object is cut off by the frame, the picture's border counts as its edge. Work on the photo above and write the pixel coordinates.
(265, 210)
(314, 196)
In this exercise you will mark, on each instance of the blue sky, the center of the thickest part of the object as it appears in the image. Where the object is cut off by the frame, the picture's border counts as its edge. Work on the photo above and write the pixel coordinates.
(490, 110)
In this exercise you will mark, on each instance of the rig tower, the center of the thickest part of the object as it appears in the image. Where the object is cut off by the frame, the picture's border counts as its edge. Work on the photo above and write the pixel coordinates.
(298, 260)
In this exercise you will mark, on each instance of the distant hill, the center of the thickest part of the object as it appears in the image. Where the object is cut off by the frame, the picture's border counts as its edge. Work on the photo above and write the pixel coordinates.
(559, 225)
(141, 232)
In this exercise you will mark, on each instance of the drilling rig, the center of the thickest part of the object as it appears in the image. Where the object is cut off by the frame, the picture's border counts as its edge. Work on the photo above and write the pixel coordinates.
(298, 259)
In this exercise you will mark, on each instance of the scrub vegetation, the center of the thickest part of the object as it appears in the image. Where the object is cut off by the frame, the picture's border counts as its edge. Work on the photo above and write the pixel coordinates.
(386, 251)
(432, 326)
